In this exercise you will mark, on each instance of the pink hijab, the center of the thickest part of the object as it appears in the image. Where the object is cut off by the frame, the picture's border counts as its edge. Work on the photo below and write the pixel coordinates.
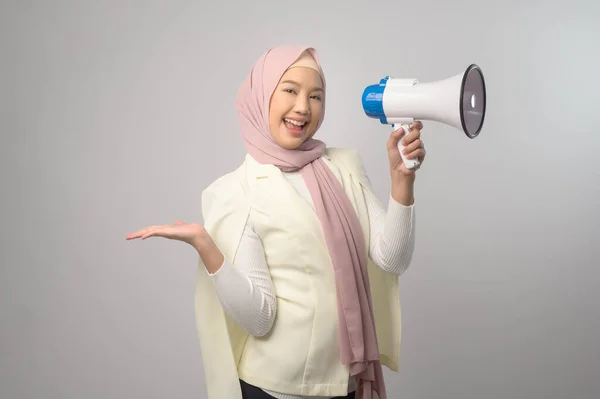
(358, 341)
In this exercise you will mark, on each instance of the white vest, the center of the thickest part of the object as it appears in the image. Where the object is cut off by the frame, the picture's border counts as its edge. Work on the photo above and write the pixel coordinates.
(300, 355)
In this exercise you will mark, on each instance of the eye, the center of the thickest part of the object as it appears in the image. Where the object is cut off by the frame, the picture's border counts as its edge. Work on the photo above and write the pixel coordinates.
(291, 91)
(318, 98)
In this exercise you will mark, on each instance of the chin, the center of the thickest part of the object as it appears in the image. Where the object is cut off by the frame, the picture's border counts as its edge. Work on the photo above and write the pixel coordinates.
(291, 144)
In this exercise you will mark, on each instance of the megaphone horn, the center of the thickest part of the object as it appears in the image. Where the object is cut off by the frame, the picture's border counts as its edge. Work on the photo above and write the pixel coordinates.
(458, 101)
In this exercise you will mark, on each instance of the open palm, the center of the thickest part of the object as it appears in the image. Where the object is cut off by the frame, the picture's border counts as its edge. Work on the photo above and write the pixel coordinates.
(186, 232)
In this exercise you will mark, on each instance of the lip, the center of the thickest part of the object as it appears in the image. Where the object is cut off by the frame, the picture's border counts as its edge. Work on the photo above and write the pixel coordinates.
(296, 133)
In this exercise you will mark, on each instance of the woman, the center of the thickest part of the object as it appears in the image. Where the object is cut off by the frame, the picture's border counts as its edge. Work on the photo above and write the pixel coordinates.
(299, 293)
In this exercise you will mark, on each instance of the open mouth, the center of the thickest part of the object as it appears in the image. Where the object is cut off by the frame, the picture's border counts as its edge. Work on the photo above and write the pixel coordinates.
(295, 126)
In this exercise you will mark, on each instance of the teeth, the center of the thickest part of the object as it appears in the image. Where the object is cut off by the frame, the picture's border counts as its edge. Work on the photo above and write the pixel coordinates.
(295, 122)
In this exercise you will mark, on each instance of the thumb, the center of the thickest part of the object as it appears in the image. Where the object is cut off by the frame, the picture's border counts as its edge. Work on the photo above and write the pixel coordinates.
(394, 138)
(178, 223)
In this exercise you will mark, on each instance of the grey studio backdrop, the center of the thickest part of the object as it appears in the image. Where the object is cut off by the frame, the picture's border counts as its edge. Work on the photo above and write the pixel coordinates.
(116, 115)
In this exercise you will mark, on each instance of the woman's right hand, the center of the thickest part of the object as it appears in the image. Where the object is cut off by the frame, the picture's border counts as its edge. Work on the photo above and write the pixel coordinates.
(191, 233)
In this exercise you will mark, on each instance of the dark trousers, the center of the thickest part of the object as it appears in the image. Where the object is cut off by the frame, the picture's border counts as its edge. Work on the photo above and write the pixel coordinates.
(252, 392)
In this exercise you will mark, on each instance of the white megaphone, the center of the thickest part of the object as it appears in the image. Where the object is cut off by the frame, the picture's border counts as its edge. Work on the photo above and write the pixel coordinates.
(457, 101)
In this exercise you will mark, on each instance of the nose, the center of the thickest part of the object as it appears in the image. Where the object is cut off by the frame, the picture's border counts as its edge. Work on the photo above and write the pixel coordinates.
(302, 106)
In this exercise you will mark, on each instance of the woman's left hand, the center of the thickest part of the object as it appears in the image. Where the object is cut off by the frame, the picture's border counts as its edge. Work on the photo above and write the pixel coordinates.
(413, 148)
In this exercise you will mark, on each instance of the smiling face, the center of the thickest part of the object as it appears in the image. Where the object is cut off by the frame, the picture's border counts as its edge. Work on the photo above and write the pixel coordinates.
(296, 107)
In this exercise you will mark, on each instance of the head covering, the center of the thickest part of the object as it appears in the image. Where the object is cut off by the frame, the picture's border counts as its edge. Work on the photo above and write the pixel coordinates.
(344, 237)
(252, 104)
(308, 61)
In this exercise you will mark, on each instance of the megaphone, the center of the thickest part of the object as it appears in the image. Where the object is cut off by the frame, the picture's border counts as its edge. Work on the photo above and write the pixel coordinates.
(458, 101)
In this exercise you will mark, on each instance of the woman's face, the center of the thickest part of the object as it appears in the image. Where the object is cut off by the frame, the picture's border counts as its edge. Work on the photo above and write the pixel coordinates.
(296, 107)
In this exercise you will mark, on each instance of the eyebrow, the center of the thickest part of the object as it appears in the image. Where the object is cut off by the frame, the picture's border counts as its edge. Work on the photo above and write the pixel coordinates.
(298, 84)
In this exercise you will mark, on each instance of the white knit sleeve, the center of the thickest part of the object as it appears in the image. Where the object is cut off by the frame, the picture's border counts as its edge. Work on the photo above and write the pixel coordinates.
(245, 288)
(392, 235)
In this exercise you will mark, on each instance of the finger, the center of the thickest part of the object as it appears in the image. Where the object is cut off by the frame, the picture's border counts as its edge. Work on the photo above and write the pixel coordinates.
(152, 231)
(178, 223)
(411, 137)
(420, 154)
(395, 136)
(417, 125)
(166, 231)
(415, 145)
(414, 133)
(137, 234)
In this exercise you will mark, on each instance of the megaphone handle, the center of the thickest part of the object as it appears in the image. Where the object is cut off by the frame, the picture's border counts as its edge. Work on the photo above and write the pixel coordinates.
(410, 163)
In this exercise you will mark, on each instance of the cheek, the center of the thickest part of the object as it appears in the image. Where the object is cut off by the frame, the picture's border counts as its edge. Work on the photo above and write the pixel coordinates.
(277, 109)
(274, 116)
(317, 111)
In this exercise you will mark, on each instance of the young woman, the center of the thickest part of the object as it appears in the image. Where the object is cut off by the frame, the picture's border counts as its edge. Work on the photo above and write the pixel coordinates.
(297, 294)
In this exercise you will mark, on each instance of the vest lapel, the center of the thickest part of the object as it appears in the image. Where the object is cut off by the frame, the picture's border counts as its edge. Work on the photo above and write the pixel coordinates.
(270, 190)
